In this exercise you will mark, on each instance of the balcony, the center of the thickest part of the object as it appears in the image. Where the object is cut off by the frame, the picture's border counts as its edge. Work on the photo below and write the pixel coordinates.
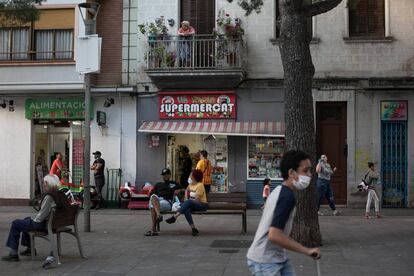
(200, 61)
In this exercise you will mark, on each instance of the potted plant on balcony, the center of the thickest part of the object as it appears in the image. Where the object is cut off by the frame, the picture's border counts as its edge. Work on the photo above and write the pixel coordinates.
(229, 36)
(154, 30)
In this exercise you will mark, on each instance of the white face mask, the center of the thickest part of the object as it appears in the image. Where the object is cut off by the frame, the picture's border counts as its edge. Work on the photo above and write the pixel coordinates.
(302, 183)
(190, 181)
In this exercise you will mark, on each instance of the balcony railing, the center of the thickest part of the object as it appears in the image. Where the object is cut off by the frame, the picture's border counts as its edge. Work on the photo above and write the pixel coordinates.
(194, 52)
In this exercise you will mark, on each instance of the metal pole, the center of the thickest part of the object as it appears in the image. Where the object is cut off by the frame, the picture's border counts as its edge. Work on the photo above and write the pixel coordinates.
(89, 29)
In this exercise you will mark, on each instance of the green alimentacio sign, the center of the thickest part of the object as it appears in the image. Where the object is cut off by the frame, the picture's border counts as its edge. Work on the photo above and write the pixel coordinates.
(56, 109)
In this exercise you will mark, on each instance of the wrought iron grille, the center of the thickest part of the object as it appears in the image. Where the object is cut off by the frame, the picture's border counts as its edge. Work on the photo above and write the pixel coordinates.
(394, 164)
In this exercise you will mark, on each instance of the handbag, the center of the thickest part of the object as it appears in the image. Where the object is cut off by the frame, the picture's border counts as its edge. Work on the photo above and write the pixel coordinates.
(176, 204)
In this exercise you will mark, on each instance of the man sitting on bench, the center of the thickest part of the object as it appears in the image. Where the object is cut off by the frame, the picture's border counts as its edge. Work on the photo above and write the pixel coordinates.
(51, 198)
(161, 199)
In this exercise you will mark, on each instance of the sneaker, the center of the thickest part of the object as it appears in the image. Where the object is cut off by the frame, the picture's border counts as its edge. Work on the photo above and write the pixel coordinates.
(194, 232)
(170, 220)
(27, 252)
(320, 213)
(335, 212)
(10, 258)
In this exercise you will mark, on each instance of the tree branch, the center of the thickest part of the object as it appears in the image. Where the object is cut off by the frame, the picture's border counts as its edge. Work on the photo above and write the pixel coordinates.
(321, 7)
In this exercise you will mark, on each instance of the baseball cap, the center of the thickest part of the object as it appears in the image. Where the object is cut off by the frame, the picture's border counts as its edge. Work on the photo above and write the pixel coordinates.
(97, 153)
(165, 171)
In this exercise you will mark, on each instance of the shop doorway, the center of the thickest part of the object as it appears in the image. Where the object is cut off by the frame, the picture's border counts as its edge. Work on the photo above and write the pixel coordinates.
(331, 131)
(216, 146)
(50, 138)
(394, 163)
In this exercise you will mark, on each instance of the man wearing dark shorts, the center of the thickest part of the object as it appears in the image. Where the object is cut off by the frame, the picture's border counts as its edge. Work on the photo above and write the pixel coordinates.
(98, 167)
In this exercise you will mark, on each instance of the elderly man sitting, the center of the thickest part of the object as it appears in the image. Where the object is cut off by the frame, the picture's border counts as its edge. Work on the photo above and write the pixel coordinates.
(51, 198)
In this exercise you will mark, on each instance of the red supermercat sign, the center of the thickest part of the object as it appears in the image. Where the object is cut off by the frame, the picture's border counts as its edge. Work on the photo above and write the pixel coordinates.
(197, 105)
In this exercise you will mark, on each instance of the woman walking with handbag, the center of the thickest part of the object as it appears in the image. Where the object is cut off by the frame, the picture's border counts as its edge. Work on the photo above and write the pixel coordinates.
(371, 179)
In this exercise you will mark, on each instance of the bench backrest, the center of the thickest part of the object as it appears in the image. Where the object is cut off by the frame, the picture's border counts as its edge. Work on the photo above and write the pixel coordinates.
(239, 197)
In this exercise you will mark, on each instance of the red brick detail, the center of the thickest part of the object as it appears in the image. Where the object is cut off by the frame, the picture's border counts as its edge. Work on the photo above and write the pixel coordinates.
(109, 27)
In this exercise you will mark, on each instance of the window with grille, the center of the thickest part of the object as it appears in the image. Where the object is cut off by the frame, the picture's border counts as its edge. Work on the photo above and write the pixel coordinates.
(14, 43)
(277, 23)
(54, 44)
(366, 18)
(19, 44)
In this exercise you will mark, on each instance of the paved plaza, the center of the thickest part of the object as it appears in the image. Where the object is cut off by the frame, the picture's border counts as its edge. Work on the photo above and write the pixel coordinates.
(117, 246)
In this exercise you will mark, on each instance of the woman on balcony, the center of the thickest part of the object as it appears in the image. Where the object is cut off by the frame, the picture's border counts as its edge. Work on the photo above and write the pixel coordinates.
(185, 34)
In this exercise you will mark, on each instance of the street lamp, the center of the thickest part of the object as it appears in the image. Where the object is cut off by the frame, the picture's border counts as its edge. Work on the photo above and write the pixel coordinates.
(89, 12)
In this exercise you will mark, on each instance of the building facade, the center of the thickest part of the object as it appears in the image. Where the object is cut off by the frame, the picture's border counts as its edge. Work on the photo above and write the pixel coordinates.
(362, 51)
(42, 99)
(220, 89)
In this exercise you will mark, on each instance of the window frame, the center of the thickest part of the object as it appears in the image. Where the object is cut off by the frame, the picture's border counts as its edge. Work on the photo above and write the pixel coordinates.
(54, 52)
(32, 51)
(386, 38)
(9, 51)
(276, 31)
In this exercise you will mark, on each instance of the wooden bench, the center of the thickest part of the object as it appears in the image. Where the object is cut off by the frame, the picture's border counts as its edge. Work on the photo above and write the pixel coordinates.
(56, 225)
(224, 204)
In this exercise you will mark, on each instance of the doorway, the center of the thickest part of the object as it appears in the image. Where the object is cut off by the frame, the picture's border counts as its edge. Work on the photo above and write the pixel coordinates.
(394, 163)
(50, 138)
(331, 133)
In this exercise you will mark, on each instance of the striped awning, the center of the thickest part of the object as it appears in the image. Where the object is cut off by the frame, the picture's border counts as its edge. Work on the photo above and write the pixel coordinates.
(270, 129)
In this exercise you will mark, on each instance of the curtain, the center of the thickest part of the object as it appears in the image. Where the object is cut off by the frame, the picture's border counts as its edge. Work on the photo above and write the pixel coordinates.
(64, 45)
(4, 44)
(44, 45)
(54, 44)
(20, 43)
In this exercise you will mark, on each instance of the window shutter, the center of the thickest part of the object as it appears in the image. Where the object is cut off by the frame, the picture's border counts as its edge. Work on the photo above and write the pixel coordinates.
(200, 13)
(366, 18)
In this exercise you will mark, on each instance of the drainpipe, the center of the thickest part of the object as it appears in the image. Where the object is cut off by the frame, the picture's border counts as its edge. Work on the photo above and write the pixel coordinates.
(129, 39)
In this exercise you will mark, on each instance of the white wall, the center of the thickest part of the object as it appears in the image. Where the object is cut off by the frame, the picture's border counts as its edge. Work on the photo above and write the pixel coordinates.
(15, 149)
(118, 150)
(34, 78)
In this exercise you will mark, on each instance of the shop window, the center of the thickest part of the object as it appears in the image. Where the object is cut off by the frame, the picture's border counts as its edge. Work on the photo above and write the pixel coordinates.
(14, 43)
(265, 155)
(366, 18)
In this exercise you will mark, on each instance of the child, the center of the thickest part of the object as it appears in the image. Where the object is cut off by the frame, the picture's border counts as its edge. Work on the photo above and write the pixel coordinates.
(371, 178)
(266, 190)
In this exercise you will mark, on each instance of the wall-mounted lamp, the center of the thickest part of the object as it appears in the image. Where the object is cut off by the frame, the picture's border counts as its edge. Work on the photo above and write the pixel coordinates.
(11, 106)
(108, 102)
(171, 22)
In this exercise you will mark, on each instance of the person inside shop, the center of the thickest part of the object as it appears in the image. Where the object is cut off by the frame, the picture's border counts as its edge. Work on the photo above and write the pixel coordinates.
(98, 168)
(195, 200)
(204, 165)
(57, 166)
(268, 253)
(161, 199)
(52, 197)
(323, 183)
(186, 168)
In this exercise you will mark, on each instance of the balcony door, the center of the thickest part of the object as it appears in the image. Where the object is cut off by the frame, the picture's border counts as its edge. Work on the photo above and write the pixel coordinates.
(200, 13)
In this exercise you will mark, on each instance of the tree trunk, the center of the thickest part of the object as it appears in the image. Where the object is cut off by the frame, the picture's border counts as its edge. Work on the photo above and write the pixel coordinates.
(299, 115)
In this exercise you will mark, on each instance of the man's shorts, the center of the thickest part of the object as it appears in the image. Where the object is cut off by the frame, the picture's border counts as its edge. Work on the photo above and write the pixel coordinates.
(165, 205)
